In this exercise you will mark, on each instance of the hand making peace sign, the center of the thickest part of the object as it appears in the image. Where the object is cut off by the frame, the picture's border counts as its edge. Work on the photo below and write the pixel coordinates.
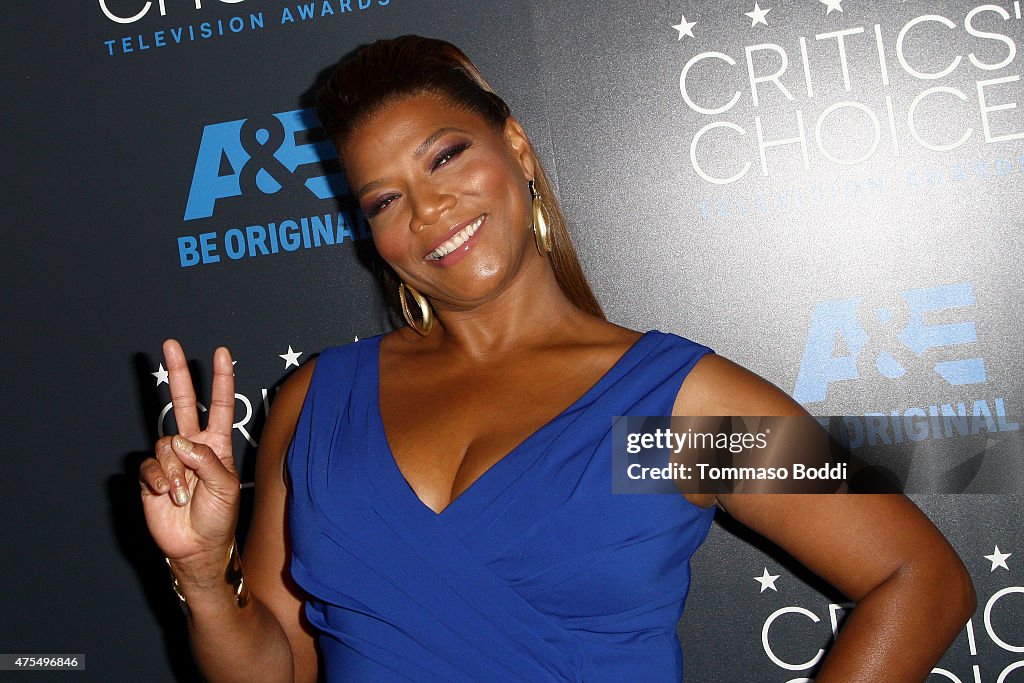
(190, 490)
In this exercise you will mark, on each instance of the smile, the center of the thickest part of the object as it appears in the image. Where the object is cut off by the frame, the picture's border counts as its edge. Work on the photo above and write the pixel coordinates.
(456, 240)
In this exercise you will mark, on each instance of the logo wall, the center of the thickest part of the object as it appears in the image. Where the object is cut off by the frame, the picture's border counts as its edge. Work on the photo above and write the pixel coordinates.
(794, 637)
(245, 424)
(149, 20)
(922, 344)
(830, 95)
(249, 159)
(840, 349)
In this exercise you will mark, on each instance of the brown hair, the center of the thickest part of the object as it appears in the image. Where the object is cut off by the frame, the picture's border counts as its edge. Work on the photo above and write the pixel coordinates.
(376, 75)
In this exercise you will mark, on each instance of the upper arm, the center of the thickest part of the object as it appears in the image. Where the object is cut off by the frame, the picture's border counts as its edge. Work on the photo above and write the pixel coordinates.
(267, 551)
(853, 541)
(717, 386)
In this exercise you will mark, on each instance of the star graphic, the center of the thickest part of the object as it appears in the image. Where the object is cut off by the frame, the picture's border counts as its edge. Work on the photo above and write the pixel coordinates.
(767, 581)
(291, 358)
(685, 27)
(161, 376)
(832, 5)
(998, 559)
(758, 15)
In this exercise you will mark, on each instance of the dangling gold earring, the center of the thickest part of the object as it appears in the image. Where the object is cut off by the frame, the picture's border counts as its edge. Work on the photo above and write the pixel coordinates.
(541, 233)
(426, 313)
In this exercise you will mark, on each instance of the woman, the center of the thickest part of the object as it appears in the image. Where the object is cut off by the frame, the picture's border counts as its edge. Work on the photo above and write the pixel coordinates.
(433, 504)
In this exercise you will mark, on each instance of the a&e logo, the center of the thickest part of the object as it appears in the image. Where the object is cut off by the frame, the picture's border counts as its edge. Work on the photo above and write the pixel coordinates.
(250, 156)
(839, 348)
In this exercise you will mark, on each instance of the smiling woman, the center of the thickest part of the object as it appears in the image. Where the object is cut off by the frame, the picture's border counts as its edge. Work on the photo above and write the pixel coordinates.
(433, 504)
(448, 190)
(449, 83)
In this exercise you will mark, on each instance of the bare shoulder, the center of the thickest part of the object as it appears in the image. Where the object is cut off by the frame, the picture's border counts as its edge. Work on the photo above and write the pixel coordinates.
(718, 386)
(293, 390)
(283, 416)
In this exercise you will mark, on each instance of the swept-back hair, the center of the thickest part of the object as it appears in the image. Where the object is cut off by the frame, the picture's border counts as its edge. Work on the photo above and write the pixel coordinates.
(377, 75)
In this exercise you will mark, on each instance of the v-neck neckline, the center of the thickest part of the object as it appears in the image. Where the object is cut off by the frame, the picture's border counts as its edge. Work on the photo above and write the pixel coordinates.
(507, 460)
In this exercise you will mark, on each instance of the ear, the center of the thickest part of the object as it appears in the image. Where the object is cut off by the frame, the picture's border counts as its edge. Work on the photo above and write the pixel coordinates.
(520, 147)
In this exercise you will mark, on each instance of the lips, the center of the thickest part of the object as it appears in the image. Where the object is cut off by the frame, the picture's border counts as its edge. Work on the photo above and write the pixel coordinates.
(455, 238)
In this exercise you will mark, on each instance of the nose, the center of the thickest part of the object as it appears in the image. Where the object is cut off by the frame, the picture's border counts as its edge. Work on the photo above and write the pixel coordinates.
(428, 205)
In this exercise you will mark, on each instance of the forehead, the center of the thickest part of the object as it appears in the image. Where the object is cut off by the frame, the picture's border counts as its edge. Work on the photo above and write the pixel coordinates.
(400, 127)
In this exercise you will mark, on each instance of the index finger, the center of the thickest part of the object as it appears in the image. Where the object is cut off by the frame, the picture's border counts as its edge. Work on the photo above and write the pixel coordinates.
(183, 394)
(222, 398)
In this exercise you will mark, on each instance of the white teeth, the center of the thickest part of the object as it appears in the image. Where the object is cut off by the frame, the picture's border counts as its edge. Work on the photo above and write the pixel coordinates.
(456, 241)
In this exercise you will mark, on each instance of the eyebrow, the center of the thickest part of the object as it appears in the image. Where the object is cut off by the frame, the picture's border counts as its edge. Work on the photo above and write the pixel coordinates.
(417, 153)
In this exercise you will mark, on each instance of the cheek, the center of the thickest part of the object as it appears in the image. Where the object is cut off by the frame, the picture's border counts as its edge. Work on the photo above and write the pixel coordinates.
(493, 179)
(388, 244)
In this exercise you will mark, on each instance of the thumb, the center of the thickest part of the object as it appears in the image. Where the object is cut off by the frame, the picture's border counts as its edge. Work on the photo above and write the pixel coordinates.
(202, 460)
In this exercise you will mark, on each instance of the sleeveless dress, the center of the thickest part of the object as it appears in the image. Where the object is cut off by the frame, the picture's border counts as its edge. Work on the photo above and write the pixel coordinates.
(537, 572)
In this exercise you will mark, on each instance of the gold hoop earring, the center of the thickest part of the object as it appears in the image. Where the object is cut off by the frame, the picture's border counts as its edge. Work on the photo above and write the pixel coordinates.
(541, 232)
(426, 313)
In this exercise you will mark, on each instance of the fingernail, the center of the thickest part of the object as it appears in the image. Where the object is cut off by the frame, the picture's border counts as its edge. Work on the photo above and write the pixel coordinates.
(161, 484)
(183, 444)
(181, 495)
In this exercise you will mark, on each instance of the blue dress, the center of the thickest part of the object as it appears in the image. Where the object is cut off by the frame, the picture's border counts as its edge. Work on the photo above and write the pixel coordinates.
(537, 572)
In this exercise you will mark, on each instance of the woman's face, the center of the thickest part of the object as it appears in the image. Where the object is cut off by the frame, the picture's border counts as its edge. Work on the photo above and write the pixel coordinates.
(446, 196)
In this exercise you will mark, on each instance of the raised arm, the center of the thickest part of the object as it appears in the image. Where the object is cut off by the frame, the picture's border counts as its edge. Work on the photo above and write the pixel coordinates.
(912, 592)
(190, 498)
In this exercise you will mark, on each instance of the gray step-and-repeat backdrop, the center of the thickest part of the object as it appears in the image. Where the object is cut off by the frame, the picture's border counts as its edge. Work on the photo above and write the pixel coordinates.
(826, 191)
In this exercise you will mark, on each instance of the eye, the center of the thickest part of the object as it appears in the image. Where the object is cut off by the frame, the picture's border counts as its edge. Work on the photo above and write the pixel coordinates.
(447, 154)
(379, 205)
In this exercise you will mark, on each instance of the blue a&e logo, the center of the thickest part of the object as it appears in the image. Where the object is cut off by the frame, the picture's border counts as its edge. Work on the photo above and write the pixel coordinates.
(248, 156)
(837, 346)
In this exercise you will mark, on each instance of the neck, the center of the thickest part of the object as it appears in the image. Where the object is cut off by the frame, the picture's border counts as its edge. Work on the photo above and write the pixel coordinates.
(531, 311)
